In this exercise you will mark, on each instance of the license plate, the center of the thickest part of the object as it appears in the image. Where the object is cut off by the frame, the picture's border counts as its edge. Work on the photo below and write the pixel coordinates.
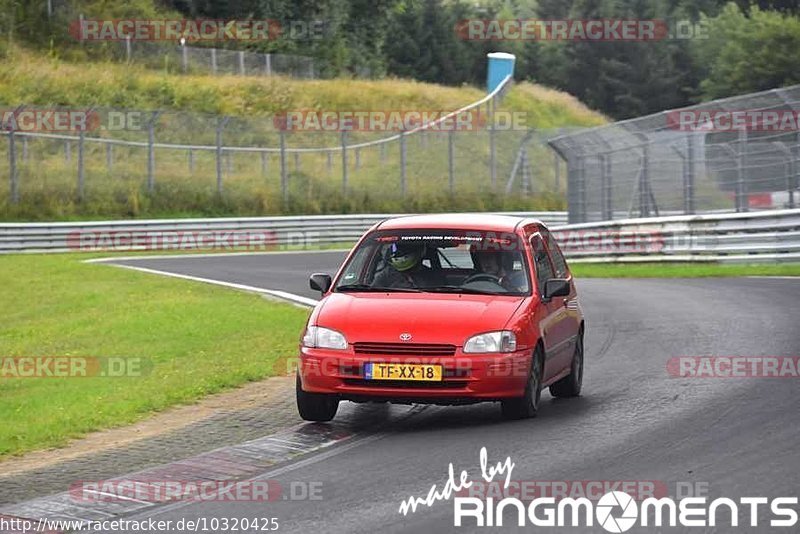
(400, 371)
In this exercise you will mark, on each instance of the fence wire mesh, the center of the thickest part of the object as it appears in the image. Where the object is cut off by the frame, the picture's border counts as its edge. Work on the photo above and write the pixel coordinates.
(660, 164)
(205, 60)
(181, 160)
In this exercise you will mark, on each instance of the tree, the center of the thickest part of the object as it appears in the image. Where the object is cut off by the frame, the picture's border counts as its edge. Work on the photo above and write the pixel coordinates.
(751, 53)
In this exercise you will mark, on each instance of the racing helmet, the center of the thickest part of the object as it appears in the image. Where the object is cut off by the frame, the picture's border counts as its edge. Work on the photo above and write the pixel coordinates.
(405, 256)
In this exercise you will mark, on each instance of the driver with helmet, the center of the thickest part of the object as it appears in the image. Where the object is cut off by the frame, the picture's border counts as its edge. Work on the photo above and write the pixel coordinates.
(405, 268)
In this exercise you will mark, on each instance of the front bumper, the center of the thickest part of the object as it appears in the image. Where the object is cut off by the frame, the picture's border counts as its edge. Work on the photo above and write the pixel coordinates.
(466, 377)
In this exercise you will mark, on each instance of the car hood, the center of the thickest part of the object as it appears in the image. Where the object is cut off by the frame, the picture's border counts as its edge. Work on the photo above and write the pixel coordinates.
(429, 318)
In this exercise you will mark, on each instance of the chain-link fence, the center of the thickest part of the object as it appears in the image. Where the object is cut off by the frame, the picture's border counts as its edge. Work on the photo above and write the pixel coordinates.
(203, 60)
(734, 154)
(185, 161)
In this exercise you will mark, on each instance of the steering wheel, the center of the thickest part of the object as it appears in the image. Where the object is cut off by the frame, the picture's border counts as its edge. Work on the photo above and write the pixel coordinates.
(482, 277)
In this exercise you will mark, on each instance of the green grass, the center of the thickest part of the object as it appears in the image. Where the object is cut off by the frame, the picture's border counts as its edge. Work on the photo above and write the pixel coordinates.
(199, 339)
(681, 270)
(48, 180)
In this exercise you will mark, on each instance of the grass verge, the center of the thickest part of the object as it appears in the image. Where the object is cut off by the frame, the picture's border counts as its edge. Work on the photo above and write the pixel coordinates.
(681, 270)
(194, 340)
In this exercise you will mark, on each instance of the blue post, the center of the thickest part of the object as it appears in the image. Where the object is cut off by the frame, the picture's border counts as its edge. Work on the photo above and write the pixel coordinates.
(501, 65)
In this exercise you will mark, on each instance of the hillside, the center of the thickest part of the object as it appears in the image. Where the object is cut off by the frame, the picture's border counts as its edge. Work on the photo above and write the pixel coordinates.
(47, 176)
(34, 79)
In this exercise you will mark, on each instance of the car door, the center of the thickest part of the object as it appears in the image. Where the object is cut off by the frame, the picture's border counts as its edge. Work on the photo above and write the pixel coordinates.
(570, 322)
(553, 331)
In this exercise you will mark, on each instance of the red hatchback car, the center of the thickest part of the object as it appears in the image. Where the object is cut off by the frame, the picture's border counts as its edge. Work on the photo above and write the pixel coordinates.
(444, 309)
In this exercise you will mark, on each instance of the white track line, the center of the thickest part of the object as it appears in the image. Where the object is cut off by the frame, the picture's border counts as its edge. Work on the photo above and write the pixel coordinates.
(209, 255)
(291, 297)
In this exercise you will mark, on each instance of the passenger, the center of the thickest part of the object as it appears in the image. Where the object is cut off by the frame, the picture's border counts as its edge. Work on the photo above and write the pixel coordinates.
(493, 263)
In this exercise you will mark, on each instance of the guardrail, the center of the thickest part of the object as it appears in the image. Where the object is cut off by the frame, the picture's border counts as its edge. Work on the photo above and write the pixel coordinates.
(301, 231)
(741, 237)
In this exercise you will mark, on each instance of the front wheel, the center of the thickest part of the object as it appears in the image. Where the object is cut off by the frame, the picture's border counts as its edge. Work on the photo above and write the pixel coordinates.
(570, 385)
(527, 406)
(315, 406)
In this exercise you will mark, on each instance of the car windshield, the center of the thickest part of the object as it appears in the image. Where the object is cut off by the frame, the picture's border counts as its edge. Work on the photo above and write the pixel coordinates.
(437, 261)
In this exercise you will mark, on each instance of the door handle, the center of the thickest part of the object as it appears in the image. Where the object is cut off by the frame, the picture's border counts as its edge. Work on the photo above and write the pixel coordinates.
(566, 302)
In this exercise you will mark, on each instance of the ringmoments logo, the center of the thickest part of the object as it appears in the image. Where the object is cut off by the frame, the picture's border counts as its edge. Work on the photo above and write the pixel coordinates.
(615, 511)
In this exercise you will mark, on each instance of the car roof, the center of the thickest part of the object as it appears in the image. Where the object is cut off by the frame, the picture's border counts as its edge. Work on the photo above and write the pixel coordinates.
(458, 221)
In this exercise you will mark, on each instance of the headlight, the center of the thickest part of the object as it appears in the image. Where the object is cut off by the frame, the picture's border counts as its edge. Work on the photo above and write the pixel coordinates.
(323, 338)
(502, 341)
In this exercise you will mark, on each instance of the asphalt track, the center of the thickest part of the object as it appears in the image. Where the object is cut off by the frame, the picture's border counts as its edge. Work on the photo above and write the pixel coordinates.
(634, 422)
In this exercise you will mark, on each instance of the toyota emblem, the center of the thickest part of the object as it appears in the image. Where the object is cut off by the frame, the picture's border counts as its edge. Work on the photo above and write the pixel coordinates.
(405, 336)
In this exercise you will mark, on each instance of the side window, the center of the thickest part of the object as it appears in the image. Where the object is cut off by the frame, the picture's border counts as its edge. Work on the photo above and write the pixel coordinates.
(352, 273)
(544, 271)
(559, 263)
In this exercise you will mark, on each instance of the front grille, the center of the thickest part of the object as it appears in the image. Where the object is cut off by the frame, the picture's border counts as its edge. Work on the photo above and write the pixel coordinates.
(405, 384)
(404, 349)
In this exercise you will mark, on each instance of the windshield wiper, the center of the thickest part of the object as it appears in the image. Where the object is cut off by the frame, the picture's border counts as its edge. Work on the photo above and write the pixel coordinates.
(376, 289)
(460, 289)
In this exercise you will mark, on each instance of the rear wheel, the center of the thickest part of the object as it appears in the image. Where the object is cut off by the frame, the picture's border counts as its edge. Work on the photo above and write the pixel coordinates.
(315, 406)
(570, 385)
(527, 406)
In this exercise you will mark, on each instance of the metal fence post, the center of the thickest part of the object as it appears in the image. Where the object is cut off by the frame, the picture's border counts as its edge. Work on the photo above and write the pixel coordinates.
(583, 216)
(344, 161)
(264, 168)
(67, 151)
(557, 169)
(12, 166)
(268, 64)
(606, 199)
(644, 180)
(109, 157)
(151, 152)
(451, 163)
(191, 161)
(184, 58)
(741, 179)
(492, 145)
(284, 170)
(688, 186)
(241, 63)
(403, 162)
(128, 49)
(796, 173)
(213, 60)
(81, 176)
(221, 122)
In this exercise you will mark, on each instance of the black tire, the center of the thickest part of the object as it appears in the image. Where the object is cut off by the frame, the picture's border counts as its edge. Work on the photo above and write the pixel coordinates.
(315, 406)
(570, 385)
(527, 406)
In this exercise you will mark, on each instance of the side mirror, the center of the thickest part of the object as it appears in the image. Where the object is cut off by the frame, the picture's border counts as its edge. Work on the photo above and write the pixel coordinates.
(556, 287)
(320, 281)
